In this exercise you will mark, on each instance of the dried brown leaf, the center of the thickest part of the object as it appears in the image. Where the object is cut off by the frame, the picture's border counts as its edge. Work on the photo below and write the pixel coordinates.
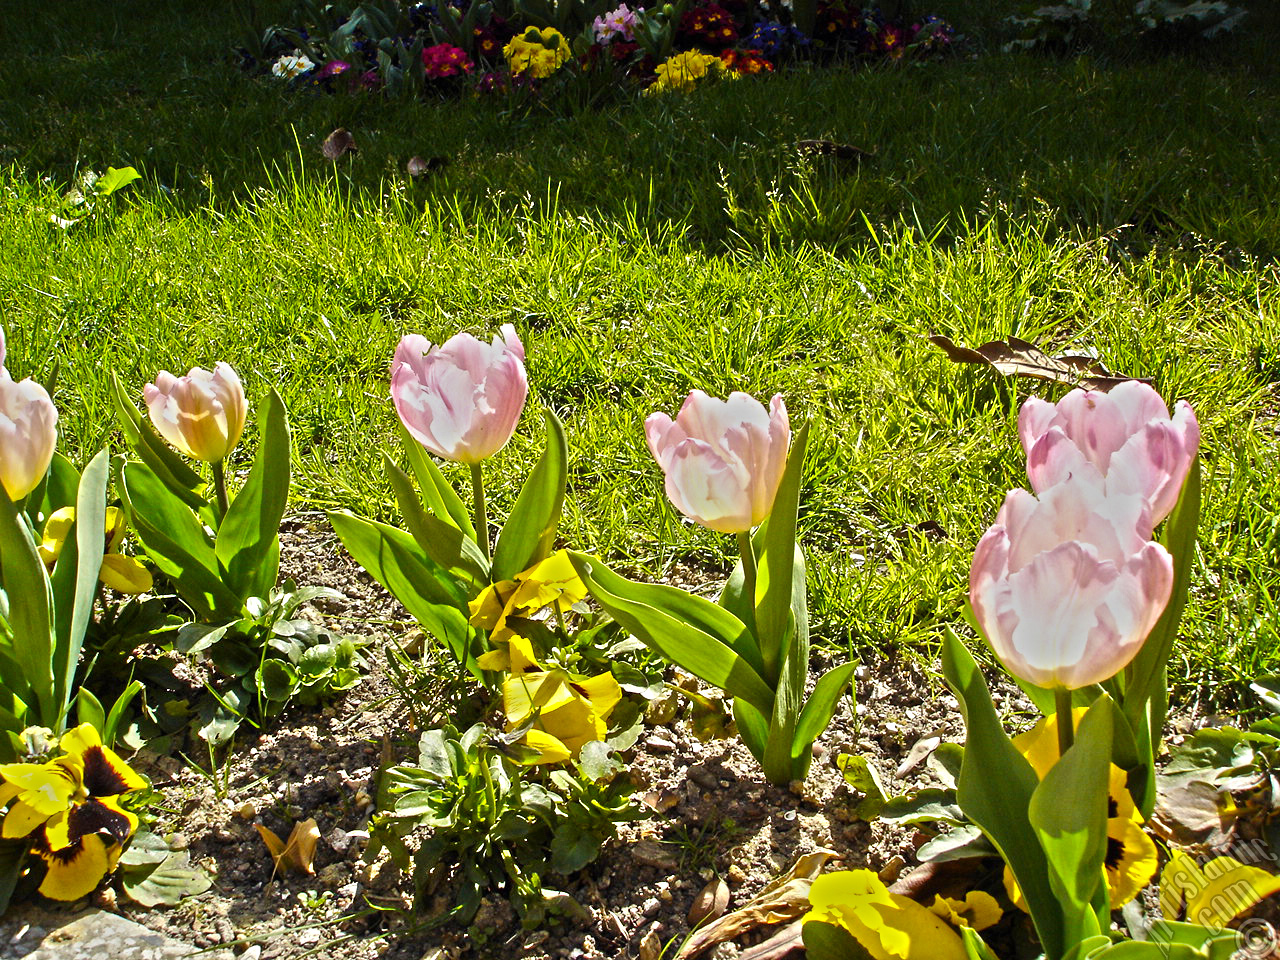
(710, 903)
(1191, 812)
(298, 852)
(660, 801)
(1015, 357)
(338, 144)
(786, 943)
(786, 898)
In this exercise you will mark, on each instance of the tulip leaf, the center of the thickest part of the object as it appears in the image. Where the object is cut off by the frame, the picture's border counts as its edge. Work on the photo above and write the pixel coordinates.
(1146, 697)
(30, 609)
(753, 728)
(781, 573)
(994, 789)
(445, 544)
(694, 633)
(788, 699)
(174, 539)
(530, 530)
(248, 543)
(75, 579)
(818, 711)
(166, 463)
(59, 487)
(975, 947)
(393, 559)
(440, 497)
(1068, 812)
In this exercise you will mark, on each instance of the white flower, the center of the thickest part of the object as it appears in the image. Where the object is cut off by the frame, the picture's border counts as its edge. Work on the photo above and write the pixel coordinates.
(292, 65)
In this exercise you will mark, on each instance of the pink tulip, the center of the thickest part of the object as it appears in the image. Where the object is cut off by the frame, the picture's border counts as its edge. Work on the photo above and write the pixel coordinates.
(201, 414)
(462, 399)
(1066, 587)
(3, 372)
(1124, 441)
(28, 433)
(723, 459)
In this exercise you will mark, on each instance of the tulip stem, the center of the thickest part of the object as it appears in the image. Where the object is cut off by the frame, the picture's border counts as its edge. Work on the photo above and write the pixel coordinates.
(1062, 704)
(481, 518)
(220, 488)
(748, 574)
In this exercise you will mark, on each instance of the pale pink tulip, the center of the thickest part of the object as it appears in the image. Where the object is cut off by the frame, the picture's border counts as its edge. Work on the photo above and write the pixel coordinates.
(1066, 587)
(201, 414)
(723, 459)
(462, 399)
(1124, 440)
(28, 433)
(3, 372)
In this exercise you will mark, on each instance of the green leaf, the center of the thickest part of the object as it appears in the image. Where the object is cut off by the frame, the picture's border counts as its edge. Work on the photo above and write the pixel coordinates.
(59, 488)
(145, 849)
(446, 545)
(441, 499)
(166, 463)
(89, 709)
(30, 611)
(860, 775)
(115, 179)
(13, 855)
(781, 573)
(694, 633)
(995, 788)
(248, 542)
(572, 848)
(111, 728)
(393, 559)
(826, 941)
(1068, 812)
(930, 805)
(780, 763)
(753, 728)
(277, 679)
(75, 585)
(530, 530)
(974, 946)
(820, 708)
(168, 882)
(175, 540)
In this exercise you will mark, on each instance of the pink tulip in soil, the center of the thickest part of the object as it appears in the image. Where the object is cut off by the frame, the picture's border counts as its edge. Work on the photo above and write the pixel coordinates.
(462, 399)
(723, 459)
(201, 414)
(1124, 441)
(28, 434)
(1066, 587)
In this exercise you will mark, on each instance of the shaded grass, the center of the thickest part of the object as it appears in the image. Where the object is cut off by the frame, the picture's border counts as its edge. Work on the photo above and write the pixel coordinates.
(680, 243)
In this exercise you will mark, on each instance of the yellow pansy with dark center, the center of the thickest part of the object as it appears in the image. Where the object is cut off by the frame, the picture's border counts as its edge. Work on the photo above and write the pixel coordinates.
(70, 809)
(1131, 858)
(119, 572)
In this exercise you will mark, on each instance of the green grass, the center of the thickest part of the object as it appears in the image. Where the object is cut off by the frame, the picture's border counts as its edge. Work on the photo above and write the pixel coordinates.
(678, 243)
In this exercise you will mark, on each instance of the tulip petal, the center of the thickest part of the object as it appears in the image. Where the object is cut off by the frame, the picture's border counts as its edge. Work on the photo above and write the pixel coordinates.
(28, 434)
(124, 574)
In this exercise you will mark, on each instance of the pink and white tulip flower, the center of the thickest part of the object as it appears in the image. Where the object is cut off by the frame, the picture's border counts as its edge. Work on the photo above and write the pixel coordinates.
(723, 459)
(1066, 587)
(1124, 441)
(462, 399)
(28, 434)
(201, 414)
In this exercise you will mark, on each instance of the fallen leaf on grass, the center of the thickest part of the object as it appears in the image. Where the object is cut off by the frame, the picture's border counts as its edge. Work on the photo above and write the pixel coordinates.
(1019, 358)
(337, 144)
(298, 852)
(1192, 812)
(784, 899)
(710, 903)
(418, 167)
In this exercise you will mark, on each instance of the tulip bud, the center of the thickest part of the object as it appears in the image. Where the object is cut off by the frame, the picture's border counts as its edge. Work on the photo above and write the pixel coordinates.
(462, 399)
(1066, 588)
(28, 433)
(723, 459)
(1123, 441)
(201, 414)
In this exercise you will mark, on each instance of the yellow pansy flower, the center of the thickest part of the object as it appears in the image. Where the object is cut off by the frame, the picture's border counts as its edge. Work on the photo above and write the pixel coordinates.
(549, 582)
(567, 711)
(539, 53)
(118, 571)
(1132, 857)
(70, 809)
(978, 910)
(888, 925)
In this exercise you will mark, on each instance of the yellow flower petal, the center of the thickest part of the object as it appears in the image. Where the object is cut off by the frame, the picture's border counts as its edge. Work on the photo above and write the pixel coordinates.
(124, 574)
(114, 528)
(550, 749)
(889, 926)
(1131, 861)
(75, 871)
(1216, 893)
(56, 530)
(978, 910)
